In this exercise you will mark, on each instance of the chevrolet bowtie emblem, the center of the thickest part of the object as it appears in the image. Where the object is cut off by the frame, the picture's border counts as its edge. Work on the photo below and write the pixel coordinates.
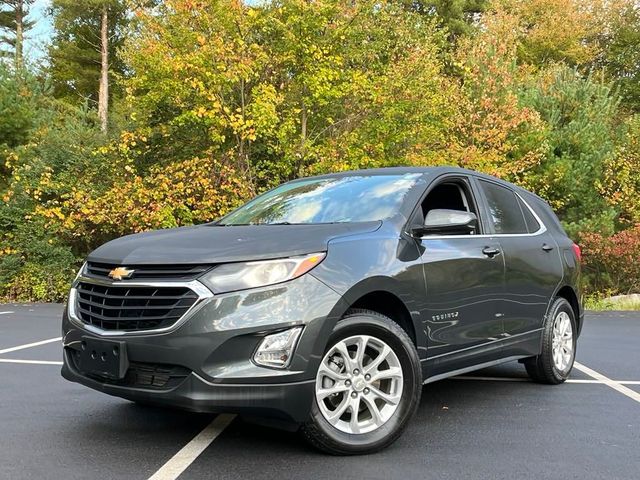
(120, 273)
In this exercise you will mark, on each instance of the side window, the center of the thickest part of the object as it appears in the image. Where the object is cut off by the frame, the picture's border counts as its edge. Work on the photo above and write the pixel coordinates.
(450, 195)
(530, 220)
(504, 210)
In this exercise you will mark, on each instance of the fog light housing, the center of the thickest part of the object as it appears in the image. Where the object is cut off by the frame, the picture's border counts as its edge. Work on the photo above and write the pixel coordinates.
(276, 349)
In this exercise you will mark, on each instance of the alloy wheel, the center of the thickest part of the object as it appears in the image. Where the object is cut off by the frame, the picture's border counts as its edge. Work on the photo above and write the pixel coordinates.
(562, 341)
(359, 384)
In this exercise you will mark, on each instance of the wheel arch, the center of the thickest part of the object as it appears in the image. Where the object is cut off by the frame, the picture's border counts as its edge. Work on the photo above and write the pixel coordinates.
(383, 295)
(389, 305)
(569, 294)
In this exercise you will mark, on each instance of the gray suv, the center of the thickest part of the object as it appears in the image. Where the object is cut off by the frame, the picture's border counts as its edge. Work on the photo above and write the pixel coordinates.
(326, 303)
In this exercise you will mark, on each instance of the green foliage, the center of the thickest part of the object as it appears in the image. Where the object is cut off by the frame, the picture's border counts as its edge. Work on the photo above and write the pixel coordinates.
(74, 53)
(495, 131)
(600, 302)
(582, 135)
(16, 108)
(58, 154)
(217, 100)
(552, 31)
(619, 41)
(41, 271)
(455, 16)
(13, 26)
(288, 87)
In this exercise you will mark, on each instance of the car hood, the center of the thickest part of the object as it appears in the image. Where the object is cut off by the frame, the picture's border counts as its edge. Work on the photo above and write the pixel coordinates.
(217, 244)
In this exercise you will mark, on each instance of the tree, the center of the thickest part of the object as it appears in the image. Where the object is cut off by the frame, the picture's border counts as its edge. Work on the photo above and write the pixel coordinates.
(83, 52)
(457, 16)
(494, 131)
(13, 19)
(287, 87)
(620, 184)
(17, 103)
(103, 89)
(618, 40)
(581, 142)
(552, 31)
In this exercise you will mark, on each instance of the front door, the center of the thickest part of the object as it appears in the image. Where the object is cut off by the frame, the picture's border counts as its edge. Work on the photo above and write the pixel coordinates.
(465, 281)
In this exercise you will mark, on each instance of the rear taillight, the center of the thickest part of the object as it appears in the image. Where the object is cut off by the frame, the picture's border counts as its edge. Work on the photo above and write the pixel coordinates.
(577, 251)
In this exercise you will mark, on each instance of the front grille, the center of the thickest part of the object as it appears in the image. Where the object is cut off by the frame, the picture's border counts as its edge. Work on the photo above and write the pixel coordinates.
(157, 272)
(154, 376)
(130, 308)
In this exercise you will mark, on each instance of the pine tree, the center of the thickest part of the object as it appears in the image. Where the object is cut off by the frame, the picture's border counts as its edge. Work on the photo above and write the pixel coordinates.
(457, 16)
(83, 53)
(14, 24)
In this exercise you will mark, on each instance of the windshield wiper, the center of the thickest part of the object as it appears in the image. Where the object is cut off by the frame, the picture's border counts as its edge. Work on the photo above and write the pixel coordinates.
(214, 224)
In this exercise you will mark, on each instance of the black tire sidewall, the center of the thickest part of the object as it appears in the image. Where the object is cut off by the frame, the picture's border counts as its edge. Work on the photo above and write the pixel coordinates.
(386, 330)
(559, 305)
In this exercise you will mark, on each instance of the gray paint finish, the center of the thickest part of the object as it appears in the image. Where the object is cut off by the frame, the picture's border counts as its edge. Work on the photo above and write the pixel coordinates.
(465, 307)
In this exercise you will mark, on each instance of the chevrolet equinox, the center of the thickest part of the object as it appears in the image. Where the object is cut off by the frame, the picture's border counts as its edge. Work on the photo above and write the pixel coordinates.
(326, 303)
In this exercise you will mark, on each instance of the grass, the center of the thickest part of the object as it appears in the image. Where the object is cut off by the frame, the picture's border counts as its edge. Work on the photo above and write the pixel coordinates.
(595, 302)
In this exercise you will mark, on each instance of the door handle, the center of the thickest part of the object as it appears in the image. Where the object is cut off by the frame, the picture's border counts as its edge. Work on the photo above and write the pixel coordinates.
(546, 247)
(491, 251)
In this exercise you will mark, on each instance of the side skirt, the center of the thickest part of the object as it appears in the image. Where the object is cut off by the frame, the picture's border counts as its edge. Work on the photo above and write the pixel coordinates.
(479, 366)
(507, 349)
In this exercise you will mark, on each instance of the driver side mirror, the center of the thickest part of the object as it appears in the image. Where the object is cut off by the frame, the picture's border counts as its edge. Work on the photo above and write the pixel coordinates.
(447, 222)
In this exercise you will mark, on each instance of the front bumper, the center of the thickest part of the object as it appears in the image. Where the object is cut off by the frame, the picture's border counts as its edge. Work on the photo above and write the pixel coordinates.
(208, 358)
(288, 402)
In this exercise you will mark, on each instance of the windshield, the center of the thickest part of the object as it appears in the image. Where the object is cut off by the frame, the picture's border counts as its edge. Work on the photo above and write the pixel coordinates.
(327, 200)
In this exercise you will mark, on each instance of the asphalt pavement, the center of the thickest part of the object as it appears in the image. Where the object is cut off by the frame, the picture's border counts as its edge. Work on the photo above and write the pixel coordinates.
(491, 424)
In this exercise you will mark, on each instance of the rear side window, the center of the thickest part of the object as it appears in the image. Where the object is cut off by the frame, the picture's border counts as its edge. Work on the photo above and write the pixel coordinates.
(504, 210)
(546, 213)
(530, 220)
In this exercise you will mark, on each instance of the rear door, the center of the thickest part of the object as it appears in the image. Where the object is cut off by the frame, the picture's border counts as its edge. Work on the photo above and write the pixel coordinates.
(532, 264)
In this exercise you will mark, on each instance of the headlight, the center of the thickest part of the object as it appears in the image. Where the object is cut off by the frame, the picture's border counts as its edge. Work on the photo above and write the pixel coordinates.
(277, 349)
(240, 276)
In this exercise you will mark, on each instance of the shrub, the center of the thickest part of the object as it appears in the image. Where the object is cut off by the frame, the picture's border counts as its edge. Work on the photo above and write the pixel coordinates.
(37, 282)
(177, 194)
(620, 184)
(611, 263)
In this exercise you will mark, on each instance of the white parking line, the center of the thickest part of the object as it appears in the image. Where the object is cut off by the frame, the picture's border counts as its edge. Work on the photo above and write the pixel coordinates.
(30, 362)
(29, 345)
(185, 457)
(491, 379)
(5, 313)
(460, 377)
(608, 382)
(523, 379)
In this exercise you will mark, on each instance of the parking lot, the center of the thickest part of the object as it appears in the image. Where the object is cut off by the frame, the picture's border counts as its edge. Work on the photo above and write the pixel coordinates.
(491, 424)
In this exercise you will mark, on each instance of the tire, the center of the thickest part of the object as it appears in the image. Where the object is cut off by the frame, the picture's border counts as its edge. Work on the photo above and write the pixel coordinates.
(367, 432)
(545, 368)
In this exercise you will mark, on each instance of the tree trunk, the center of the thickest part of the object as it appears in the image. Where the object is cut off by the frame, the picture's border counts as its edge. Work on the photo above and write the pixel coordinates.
(303, 138)
(19, 33)
(103, 92)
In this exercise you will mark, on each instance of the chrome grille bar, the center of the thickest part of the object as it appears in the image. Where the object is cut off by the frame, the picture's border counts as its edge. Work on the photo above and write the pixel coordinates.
(133, 307)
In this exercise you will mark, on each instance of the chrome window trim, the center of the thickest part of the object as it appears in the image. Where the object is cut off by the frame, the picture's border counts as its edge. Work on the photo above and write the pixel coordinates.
(203, 293)
(540, 231)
